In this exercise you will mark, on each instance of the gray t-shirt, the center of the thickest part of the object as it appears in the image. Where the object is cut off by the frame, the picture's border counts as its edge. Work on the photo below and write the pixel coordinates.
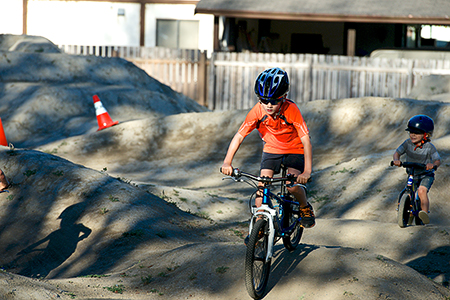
(426, 154)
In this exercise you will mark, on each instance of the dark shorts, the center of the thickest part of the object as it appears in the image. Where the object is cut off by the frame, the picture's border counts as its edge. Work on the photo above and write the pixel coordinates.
(424, 180)
(274, 161)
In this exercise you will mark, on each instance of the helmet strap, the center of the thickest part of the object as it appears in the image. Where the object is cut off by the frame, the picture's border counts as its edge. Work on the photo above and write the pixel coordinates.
(422, 142)
(279, 108)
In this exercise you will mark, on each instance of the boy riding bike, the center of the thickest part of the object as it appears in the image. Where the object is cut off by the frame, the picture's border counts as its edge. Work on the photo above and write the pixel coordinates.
(285, 136)
(419, 149)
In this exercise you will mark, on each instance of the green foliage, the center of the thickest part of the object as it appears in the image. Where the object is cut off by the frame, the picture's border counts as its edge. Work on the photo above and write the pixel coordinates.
(344, 170)
(58, 173)
(118, 288)
(193, 276)
(28, 173)
(94, 276)
(162, 234)
(221, 270)
(133, 233)
(113, 199)
(147, 279)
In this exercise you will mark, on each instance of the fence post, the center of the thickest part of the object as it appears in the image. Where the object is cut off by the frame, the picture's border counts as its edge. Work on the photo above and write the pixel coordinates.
(211, 82)
(202, 79)
(309, 80)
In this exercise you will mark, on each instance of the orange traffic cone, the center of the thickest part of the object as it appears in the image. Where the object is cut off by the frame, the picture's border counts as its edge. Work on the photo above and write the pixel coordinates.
(103, 118)
(3, 141)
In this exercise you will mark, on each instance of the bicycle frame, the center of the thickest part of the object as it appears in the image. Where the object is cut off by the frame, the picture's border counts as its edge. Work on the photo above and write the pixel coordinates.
(268, 211)
(409, 189)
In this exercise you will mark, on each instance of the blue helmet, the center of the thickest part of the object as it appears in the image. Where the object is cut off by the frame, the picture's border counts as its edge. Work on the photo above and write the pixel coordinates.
(420, 124)
(272, 84)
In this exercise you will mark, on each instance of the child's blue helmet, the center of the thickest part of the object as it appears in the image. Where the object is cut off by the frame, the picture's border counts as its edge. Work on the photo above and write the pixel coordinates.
(272, 83)
(420, 124)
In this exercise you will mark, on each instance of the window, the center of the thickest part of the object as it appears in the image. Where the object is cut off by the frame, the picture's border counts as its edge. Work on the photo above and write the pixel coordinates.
(435, 35)
(177, 34)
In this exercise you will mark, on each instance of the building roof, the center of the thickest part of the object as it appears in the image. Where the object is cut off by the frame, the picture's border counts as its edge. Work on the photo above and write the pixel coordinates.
(367, 11)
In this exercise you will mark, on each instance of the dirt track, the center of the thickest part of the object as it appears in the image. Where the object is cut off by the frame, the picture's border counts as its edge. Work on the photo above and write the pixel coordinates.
(158, 221)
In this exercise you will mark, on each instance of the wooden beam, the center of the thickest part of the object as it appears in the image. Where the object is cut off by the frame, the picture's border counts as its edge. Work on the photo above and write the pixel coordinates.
(324, 17)
(216, 34)
(351, 42)
(142, 25)
(25, 16)
(144, 1)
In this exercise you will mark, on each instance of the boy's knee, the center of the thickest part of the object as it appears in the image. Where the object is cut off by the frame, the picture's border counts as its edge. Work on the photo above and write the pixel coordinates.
(422, 191)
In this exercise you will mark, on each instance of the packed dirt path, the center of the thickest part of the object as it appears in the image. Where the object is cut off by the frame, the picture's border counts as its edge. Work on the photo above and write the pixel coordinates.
(140, 210)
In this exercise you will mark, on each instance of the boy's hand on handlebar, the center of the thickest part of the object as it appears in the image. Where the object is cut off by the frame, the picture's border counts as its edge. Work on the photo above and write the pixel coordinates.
(303, 178)
(431, 166)
(397, 163)
(226, 169)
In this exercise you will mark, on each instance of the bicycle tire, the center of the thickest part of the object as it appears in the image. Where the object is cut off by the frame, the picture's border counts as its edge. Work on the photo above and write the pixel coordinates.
(417, 208)
(404, 211)
(257, 269)
(291, 241)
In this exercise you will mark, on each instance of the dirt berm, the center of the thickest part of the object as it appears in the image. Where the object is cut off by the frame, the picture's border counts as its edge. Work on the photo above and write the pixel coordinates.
(140, 210)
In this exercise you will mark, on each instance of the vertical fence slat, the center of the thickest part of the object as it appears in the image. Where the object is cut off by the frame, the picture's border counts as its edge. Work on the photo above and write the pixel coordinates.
(226, 80)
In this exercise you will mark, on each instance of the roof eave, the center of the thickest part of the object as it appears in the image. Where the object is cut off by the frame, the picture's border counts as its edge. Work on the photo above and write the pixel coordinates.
(327, 18)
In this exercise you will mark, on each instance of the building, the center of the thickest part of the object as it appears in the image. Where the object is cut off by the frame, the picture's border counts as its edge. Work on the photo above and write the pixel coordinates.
(337, 27)
(149, 23)
(340, 27)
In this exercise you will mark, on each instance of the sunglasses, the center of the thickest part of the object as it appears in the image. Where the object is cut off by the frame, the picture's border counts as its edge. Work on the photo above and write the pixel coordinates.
(271, 101)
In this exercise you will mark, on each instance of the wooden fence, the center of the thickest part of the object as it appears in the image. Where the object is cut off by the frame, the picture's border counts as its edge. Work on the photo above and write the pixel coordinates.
(226, 80)
(181, 69)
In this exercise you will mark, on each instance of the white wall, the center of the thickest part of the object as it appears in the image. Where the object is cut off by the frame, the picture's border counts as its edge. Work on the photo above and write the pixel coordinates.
(11, 16)
(84, 23)
(178, 12)
(98, 23)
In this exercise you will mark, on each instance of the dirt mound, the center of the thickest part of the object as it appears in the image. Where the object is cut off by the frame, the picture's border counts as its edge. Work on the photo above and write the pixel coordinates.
(140, 210)
(48, 96)
(432, 87)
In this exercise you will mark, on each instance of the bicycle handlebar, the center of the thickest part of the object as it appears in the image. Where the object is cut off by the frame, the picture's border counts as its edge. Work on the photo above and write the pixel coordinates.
(238, 173)
(406, 164)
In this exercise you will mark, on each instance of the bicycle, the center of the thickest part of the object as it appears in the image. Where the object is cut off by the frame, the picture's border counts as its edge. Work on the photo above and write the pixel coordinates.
(277, 218)
(408, 200)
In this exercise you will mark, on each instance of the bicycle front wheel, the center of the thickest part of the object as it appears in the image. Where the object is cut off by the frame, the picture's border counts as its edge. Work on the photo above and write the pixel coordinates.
(257, 269)
(404, 211)
(291, 240)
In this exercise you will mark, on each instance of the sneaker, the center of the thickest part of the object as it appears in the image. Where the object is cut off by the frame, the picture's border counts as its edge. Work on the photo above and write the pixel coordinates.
(424, 217)
(308, 219)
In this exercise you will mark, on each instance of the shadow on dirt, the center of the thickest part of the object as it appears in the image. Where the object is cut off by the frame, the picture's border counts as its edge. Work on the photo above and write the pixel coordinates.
(62, 243)
(435, 265)
(284, 262)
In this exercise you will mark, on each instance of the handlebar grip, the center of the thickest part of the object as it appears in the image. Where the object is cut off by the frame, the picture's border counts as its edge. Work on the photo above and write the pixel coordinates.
(392, 163)
(236, 172)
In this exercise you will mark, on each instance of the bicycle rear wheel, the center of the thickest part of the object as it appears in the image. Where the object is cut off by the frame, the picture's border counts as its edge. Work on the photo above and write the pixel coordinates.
(257, 269)
(404, 211)
(417, 208)
(291, 240)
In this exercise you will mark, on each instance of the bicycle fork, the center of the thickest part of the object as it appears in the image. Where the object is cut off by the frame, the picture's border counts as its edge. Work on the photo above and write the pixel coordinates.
(269, 214)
